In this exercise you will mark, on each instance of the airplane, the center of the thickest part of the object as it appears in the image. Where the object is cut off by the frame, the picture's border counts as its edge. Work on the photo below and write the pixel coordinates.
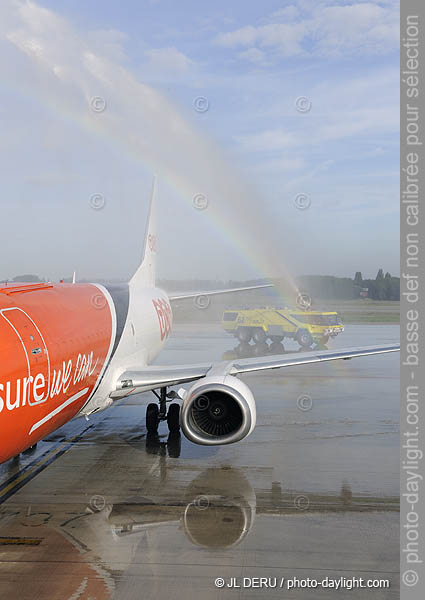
(69, 350)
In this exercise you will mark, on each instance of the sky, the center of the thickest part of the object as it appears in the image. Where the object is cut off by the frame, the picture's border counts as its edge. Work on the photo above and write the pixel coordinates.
(273, 128)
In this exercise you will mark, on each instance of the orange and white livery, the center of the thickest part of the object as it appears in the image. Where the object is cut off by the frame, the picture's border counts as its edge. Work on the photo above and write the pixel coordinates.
(72, 349)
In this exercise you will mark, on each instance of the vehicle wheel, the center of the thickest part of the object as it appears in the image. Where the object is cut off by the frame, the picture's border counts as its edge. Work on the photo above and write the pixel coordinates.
(173, 418)
(244, 350)
(259, 336)
(244, 334)
(304, 338)
(276, 338)
(324, 340)
(276, 348)
(261, 349)
(152, 419)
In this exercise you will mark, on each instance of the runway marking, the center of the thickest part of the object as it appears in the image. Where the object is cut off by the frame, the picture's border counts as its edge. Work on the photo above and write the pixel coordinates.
(17, 481)
(9, 541)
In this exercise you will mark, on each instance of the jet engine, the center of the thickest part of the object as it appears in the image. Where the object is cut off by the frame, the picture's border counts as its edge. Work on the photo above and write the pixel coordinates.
(218, 410)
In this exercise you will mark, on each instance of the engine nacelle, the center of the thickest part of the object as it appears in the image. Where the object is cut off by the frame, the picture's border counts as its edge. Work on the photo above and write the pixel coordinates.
(217, 411)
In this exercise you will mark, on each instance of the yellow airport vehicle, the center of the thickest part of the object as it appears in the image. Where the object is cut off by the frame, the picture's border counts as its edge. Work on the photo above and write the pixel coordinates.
(260, 324)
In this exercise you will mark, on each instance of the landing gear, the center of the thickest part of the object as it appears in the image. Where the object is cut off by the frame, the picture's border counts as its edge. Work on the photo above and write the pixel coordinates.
(152, 418)
(155, 414)
(173, 418)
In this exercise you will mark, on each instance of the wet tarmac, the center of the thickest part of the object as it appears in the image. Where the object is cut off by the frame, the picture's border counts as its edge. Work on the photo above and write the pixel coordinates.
(99, 510)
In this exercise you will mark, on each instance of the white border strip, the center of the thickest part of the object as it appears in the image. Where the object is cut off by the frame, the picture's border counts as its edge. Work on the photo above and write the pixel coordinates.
(58, 409)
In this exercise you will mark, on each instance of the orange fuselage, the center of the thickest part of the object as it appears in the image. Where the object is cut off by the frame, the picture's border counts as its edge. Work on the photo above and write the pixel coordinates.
(55, 343)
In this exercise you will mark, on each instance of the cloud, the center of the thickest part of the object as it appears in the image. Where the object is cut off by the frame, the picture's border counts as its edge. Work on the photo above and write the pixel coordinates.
(288, 13)
(168, 59)
(244, 36)
(287, 38)
(109, 42)
(282, 163)
(54, 63)
(323, 29)
(51, 70)
(266, 141)
(358, 110)
(253, 55)
(49, 179)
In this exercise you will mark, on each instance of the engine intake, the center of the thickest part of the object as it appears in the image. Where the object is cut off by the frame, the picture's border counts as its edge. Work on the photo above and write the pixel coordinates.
(218, 410)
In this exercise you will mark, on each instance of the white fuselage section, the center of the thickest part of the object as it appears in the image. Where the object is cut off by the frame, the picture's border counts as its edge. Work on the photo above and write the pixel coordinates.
(147, 327)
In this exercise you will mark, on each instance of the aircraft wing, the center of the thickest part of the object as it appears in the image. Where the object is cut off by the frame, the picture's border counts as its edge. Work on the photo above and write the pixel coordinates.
(153, 377)
(186, 295)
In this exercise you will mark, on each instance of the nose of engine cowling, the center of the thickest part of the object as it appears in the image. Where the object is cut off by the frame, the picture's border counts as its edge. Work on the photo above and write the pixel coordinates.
(218, 411)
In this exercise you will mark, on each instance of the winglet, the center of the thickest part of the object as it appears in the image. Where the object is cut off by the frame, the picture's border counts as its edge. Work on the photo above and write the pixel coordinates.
(145, 275)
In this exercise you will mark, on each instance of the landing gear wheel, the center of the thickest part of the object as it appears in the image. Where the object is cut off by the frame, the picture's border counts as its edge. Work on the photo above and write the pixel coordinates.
(259, 336)
(243, 334)
(304, 338)
(152, 418)
(173, 418)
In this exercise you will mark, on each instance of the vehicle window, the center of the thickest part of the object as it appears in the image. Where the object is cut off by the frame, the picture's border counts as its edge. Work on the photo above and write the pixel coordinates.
(331, 320)
(318, 319)
(230, 316)
(300, 318)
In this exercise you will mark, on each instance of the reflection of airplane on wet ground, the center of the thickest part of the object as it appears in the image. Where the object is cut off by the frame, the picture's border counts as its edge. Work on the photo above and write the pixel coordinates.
(216, 509)
(119, 511)
(68, 350)
(219, 507)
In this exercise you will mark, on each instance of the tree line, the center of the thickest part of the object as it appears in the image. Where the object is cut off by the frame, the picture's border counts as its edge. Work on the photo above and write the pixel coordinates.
(383, 287)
